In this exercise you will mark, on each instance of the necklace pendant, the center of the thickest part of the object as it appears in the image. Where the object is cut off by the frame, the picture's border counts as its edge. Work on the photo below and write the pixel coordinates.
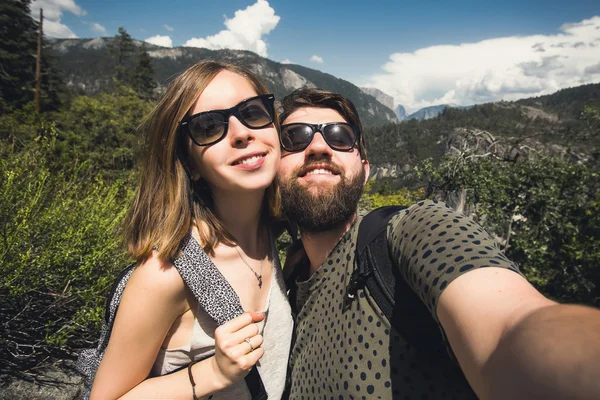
(259, 281)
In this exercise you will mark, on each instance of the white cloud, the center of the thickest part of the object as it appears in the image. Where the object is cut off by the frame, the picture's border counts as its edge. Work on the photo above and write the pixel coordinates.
(287, 61)
(244, 31)
(317, 59)
(96, 27)
(164, 41)
(168, 27)
(53, 11)
(506, 68)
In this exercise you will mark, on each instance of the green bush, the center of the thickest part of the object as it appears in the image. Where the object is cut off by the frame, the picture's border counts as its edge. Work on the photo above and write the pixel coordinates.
(102, 130)
(60, 252)
(385, 196)
(545, 211)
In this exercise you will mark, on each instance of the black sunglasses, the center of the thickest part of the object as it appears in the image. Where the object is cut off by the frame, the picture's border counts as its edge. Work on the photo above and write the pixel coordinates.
(209, 127)
(338, 135)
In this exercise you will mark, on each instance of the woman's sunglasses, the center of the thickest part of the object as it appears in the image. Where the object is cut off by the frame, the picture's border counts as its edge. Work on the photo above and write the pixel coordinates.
(209, 127)
(338, 135)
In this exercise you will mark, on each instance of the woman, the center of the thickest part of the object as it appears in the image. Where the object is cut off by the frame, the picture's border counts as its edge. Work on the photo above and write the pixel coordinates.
(207, 181)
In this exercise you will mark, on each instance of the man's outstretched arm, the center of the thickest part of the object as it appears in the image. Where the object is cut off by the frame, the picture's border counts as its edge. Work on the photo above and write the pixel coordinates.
(513, 343)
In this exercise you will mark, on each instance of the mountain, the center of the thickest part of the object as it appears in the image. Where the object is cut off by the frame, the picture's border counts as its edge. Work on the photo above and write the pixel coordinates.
(552, 125)
(400, 112)
(381, 97)
(432, 111)
(88, 67)
(570, 101)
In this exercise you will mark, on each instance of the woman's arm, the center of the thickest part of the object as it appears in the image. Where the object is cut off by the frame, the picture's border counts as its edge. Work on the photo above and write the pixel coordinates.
(233, 359)
(154, 297)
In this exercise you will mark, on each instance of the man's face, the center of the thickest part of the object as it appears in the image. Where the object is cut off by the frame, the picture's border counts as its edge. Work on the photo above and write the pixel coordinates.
(320, 187)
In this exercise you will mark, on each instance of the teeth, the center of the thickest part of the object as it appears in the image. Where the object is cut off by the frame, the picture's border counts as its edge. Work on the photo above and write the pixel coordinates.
(250, 160)
(319, 172)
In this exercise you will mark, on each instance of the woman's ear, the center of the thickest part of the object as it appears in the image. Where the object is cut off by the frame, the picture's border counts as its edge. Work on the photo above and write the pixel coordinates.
(184, 158)
(196, 175)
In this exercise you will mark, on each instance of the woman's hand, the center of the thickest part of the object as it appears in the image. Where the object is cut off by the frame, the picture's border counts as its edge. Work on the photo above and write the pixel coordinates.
(237, 347)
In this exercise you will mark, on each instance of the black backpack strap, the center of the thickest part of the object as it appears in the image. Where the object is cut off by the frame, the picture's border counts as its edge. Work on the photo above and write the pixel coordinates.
(376, 272)
(118, 285)
(298, 269)
(89, 359)
(374, 223)
(373, 267)
(255, 385)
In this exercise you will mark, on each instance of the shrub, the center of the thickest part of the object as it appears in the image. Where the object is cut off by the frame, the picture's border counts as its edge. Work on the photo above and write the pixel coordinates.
(60, 252)
(545, 211)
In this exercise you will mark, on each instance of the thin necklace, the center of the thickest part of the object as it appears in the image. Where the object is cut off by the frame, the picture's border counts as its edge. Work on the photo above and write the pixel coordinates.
(258, 276)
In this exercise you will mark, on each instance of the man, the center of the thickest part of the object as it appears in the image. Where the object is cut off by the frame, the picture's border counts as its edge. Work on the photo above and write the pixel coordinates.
(509, 340)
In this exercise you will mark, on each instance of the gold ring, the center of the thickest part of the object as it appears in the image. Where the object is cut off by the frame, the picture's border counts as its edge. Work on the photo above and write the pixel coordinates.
(247, 340)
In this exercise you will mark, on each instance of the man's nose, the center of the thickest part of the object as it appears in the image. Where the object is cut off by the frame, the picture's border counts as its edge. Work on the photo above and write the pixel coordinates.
(318, 147)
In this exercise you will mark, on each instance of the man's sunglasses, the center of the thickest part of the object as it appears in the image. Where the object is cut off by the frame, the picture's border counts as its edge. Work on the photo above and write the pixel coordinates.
(209, 127)
(338, 135)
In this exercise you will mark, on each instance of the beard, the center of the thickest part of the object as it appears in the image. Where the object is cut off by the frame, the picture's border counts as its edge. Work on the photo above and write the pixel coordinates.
(328, 208)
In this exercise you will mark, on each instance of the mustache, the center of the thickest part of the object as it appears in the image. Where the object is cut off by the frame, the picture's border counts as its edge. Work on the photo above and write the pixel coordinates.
(314, 164)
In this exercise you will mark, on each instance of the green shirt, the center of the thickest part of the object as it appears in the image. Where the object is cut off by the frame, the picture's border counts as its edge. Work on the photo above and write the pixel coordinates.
(352, 352)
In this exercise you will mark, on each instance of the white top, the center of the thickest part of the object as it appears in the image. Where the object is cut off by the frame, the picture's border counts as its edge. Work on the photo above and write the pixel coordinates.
(276, 329)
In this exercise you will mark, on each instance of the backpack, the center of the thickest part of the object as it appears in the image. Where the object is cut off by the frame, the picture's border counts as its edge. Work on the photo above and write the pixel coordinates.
(375, 271)
(195, 269)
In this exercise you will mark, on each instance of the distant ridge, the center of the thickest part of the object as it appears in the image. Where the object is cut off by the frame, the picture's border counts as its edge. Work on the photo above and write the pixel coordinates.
(87, 67)
(432, 111)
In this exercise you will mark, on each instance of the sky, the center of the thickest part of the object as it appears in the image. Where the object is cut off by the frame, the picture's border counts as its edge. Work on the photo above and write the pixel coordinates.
(420, 52)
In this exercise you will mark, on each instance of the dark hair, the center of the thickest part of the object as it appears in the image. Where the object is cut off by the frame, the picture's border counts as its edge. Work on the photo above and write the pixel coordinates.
(319, 98)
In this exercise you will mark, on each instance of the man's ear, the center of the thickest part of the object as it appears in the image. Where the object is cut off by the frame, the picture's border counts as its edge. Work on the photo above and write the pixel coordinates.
(367, 168)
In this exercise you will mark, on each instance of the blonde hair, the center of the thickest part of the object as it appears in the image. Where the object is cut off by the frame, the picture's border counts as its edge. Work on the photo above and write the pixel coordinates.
(168, 202)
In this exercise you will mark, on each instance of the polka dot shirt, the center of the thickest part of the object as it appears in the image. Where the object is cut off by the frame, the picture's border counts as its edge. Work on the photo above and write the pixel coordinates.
(350, 351)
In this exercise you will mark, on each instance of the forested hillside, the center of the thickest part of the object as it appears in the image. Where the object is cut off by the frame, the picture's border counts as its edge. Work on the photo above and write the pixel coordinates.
(561, 124)
(527, 170)
(89, 64)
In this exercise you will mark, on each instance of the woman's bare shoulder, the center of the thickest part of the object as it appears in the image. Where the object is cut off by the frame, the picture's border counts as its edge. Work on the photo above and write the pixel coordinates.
(157, 278)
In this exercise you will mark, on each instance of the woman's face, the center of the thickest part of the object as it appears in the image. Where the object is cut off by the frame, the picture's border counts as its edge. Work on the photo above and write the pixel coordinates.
(245, 159)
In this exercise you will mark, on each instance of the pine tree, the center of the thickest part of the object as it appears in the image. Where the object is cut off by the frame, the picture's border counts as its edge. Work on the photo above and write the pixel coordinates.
(18, 33)
(123, 51)
(143, 79)
(18, 49)
(54, 90)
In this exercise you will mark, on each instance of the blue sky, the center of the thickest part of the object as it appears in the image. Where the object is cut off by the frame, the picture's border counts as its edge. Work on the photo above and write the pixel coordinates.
(419, 52)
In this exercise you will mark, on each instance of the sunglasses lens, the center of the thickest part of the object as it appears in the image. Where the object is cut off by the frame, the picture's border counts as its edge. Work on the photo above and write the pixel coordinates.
(295, 137)
(340, 136)
(208, 127)
(256, 114)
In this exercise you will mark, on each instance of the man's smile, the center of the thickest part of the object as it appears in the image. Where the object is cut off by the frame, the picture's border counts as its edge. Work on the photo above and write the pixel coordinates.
(319, 171)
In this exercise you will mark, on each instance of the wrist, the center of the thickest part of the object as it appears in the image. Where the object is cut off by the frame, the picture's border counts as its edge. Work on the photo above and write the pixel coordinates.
(220, 381)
